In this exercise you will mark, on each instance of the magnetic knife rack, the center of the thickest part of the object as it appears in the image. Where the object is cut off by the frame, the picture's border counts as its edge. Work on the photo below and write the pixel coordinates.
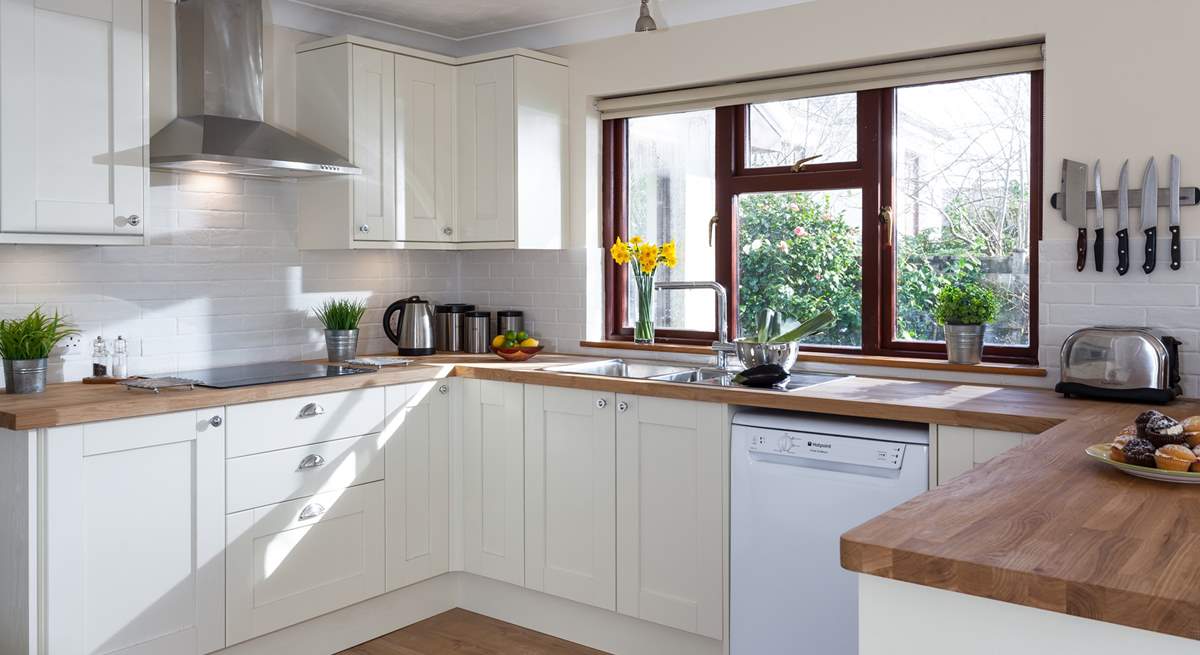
(1188, 196)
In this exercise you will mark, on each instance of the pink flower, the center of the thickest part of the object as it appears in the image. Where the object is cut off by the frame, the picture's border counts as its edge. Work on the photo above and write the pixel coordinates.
(800, 231)
(794, 207)
(783, 246)
(819, 277)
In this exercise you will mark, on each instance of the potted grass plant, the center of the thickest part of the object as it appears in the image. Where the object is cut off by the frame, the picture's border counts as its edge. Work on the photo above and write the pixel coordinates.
(25, 345)
(340, 318)
(964, 312)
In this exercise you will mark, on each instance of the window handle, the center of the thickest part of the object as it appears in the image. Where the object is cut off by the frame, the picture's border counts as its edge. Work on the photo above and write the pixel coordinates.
(802, 162)
(712, 225)
(885, 219)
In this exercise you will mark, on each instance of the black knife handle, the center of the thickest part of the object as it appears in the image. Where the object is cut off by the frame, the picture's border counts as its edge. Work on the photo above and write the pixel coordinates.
(1098, 249)
(1151, 250)
(1081, 249)
(1175, 263)
(1122, 251)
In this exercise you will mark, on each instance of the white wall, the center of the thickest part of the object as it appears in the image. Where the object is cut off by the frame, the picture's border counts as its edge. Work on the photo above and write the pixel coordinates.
(1112, 92)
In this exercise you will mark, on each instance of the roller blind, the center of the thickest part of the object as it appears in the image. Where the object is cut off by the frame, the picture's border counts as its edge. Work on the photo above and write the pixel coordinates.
(1000, 61)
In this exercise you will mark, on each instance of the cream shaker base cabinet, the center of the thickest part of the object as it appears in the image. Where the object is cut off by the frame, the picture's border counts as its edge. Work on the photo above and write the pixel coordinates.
(73, 121)
(670, 490)
(961, 449)
(293, 561)
(570, 494)
(493, 494)
(416, 438)
(134, 535)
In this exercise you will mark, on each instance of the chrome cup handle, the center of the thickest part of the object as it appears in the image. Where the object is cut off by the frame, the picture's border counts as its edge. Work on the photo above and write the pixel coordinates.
(310, 410)
(311, 511)
(312, 462)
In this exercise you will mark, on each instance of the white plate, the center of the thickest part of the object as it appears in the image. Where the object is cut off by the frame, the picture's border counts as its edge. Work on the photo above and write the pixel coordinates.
(1100, 452)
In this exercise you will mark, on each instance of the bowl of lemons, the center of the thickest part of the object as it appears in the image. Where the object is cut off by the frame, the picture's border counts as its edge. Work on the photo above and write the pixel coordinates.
(515, 346)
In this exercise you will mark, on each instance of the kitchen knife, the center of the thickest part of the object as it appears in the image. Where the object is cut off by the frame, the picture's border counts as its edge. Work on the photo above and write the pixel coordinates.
(1098, 221)
(1173, 226)
(1150, 215)
(1074, 207)
(1123, 220)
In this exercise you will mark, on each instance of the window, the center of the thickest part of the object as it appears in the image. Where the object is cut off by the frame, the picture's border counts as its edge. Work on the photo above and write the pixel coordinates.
(865, 203)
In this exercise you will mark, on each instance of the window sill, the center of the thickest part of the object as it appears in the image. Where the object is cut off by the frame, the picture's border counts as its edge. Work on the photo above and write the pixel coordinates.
(850, 360)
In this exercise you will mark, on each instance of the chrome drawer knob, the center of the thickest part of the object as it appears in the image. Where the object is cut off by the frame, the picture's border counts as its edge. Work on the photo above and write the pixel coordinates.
(313, 461)
(311, 511)
(447, 231)
(134, 220)
(601, 403)
(215, 421)
(443, 389)
(310, 410)
(364, 228)
(622, 406)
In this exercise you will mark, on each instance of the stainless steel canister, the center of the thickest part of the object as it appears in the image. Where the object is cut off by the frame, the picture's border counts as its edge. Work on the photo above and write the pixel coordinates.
(449, 326)
(479, 332)
(509, 319)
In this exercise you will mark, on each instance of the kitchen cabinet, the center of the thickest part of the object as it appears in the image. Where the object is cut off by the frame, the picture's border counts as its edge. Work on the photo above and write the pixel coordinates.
(670, 499)
(961, 449)
(73, 121)
(135, 535)
(455, 153)
(570, 494)
(493, 435)
(416, 438)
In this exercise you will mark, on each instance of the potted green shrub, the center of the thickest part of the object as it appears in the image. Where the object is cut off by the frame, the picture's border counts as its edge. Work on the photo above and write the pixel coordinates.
(25, 345)
(340, 318)
(964, 312)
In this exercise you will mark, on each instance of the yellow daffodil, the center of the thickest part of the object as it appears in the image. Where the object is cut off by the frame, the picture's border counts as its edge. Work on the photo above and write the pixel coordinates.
(648, 257)
(620, 252)
(668, 254)
(636, 240)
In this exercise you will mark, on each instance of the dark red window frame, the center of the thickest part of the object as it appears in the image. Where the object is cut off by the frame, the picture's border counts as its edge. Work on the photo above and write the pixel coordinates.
(871, 173)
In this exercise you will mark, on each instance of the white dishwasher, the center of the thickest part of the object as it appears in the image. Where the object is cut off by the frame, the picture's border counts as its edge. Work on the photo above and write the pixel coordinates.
(798, 481)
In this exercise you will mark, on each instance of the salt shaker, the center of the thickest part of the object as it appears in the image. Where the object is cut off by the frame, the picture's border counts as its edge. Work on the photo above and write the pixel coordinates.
(120, 358)
(100, 359)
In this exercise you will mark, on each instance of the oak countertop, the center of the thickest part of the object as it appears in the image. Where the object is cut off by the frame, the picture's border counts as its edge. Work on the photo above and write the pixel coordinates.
(946, 403)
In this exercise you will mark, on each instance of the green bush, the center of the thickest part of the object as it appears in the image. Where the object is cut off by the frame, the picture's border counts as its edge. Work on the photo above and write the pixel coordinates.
(969, 304)
(341, 314)
(32, 337)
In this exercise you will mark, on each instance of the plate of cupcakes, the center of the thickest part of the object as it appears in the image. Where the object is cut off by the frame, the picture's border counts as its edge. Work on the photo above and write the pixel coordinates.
(1155, 447)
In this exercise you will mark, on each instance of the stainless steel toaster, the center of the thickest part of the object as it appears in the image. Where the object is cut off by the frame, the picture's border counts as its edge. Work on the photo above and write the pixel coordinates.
(1120, 363)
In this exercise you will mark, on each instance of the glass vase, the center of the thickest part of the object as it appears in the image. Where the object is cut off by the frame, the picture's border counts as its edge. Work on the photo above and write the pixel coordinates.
(643, 327)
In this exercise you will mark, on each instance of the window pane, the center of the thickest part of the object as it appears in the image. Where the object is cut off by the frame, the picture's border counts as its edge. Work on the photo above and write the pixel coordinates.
(799, 253)
(780, 133)
(962, 200)
(670, 171)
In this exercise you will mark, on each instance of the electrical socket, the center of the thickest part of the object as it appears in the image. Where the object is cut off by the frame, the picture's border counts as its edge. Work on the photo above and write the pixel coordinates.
(72, 345)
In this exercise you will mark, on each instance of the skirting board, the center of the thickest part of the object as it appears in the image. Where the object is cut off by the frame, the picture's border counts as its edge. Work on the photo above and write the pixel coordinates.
(900, 618)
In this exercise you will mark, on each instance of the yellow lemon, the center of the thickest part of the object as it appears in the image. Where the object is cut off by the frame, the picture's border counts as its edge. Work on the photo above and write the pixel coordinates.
(498, 341)
(529, 343)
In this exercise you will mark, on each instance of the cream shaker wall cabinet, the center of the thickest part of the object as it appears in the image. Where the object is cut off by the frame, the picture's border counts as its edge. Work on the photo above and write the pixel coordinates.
(74, 121)
(455, 153)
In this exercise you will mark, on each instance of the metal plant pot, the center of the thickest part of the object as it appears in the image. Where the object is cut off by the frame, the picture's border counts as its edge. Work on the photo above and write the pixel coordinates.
(964, 344)
(25, 375)
(341, 344)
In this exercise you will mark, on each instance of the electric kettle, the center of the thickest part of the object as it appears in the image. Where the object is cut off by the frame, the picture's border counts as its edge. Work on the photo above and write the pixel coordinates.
(413, 334)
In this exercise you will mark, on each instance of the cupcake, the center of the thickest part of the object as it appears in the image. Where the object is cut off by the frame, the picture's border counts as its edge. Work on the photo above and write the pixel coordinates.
(1116, 448)
(1144, 418)
(1162, 431)
(1191, 430)
(1139, 452)
(1132, 430)
(1174, 457)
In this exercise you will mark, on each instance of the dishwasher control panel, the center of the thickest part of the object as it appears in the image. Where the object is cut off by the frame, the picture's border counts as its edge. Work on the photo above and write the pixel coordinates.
(828, 448)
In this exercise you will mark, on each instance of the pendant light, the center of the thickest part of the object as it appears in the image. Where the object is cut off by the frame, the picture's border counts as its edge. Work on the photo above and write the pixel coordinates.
(645, 22)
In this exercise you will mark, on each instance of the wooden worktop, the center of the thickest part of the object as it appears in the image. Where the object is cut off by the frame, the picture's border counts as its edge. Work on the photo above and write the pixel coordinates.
(1044, 526)
(945, 403)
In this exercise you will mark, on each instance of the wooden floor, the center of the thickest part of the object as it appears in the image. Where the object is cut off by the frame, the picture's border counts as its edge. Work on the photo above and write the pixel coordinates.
(459, 632)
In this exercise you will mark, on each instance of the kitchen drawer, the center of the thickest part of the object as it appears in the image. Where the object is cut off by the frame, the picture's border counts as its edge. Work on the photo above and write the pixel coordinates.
(279, 475)
(277, 424)
(290, 562)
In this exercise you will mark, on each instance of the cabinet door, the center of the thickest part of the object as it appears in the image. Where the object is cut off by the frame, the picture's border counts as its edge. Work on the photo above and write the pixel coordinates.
(424, 117)
(417, 451)
(493, 480)
(374, 144)
(669, 503)
(487, 154)
(135, 536)
(293, 561)
(73, 118)
(961, 449)
(570, 498)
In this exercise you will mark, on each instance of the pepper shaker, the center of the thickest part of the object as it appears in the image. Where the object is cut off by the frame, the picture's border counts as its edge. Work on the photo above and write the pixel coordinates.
(120, 358)
(100, 358)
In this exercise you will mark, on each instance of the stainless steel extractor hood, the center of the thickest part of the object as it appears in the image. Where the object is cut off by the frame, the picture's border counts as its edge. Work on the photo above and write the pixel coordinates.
(220, 128)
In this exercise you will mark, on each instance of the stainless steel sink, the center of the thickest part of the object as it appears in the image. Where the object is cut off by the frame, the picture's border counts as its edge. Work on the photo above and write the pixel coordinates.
(620, 368)
(697, 375)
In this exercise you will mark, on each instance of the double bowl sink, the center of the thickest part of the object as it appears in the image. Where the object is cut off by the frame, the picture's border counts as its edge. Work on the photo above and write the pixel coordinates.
(620, 368)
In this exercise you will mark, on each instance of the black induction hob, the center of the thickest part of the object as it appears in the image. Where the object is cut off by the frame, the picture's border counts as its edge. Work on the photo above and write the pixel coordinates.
(230, 377)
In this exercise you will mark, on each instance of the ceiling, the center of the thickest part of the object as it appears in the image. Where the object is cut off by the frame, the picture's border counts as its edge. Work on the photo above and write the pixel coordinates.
(466, 19)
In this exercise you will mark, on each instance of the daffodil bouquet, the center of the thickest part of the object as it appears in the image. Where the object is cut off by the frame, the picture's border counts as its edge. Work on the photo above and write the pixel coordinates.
(644, 258)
